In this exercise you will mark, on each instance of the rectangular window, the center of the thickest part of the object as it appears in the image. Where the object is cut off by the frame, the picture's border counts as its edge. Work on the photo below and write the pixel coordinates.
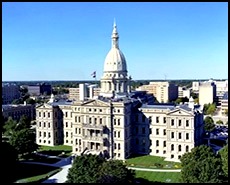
(187, 136)
(157, 131)
(118, 122)
(157, 142)
(172, 135)
(40, 134)
(150, 131)
(76, 119)
(66, 114)
(114, 121)
(157, 119)
(115, 134)
(44, 124)
(100, 120)
(179, 122)
(66, 134)
(164, 143)
(79, 130)
(90, 120)
(172, 122)
(48, 115)
(95, 120)
(39, 114)
(49, 124)
(75, 130)
(164, 132)
(164, 119)
(187, 123)
(118, 134)
(143, 130)
(79, 119)
(44, 114)
(44, 134)
(179, 136)
(49, 135)
(40, 124)
(157, 151)
(66, 124)
(119, 146)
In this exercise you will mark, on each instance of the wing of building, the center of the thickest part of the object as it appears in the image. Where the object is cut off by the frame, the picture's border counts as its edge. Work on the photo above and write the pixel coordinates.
(117, 123)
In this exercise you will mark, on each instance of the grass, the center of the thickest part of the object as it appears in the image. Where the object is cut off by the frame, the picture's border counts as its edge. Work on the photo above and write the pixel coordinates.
(32, 172)
(152, 162)
(59, 150)
(172, 177)
(42, 159)
(38, 178)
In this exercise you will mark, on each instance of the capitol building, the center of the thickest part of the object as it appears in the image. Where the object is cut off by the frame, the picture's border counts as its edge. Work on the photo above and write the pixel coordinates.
(119, 122)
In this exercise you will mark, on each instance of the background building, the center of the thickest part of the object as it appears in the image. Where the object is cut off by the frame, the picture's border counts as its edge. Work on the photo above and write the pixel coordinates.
(207, 93)
(10, 92)
(163, 91)
(40, 89)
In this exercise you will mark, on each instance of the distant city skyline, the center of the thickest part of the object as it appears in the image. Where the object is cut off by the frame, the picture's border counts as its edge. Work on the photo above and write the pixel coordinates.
(63, 41)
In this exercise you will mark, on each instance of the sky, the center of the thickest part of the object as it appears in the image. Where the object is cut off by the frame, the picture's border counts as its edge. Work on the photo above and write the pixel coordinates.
(70, 40)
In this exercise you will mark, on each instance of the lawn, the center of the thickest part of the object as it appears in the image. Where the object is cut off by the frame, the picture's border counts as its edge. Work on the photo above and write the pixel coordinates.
(59, 150)
(152, 162)
(167, 177)
(32, 171)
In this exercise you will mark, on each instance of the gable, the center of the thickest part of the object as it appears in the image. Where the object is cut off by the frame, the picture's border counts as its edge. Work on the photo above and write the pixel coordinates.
(180, 112)
(44, 106)
(97, 103)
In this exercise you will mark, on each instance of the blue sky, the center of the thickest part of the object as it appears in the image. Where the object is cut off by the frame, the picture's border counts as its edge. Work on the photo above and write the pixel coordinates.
(68, 41)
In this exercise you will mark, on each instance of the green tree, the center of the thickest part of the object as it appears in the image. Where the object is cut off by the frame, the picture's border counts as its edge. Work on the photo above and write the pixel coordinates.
(9, 127)
(196, 100)
(95, 169)
(85, 169)
(115, 171)
(209, 124)
(219, 122)
(201, 165)
(211, 109)
(24, 141)
(30, 101)
(17, 101)
(224, 157)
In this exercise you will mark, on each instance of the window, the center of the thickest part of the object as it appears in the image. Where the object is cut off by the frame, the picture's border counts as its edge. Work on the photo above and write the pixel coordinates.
(164, 143)
(136, 130)
(75, 118)
(179, 122)
(49, 124)
(150, 119)
(157, 131)
(89, 110)
(56, 124)
(179, 148)
(164, 132)
(66, 124)
(157, 151)
(119, 146)
(48, 115)
(66, 134)
(66, 141)
(115, 134)
(187, 148)
(49, 135)
(172, 147)
(172, 135)
(40, 134)
(164, 119)
(143, 130)
(44, 134)
(79, 131)
(95, 120)
(40, 124)
(187, 136)
(179, 135)
(90, 120)
(114, 121)
(172, 122)
(157, 119)
(118, 121)
(44, 114)
(119, 154)
(39, 114)
(76, 142)
(66, 114)
(75, 130)
(100, 110)
(44, 124)
(150, 131)
(157, 142)
(95, 110)
(100, 120)
(172, 156)
(143, 118)
(179, 156)
(118, 134)
(118, 110)
(187, 123)
(115, 146)
(164, 152)
(79, 119)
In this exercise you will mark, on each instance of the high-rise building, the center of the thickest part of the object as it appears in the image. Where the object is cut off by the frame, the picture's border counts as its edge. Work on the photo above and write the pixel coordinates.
(10, 92)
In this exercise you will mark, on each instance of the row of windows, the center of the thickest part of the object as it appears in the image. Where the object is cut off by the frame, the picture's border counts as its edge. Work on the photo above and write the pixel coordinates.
(47, 125)
(117, 134)
(48, 114)
(179, 122)
(180, 135)
(117, 146)
(44, 134)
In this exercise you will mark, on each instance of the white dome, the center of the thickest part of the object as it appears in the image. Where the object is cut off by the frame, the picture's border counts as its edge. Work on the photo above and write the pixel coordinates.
(115, 61)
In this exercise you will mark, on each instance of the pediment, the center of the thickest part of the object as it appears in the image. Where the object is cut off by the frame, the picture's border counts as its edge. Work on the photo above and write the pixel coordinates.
(44, 106)
(97, 103)
(180, 112)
